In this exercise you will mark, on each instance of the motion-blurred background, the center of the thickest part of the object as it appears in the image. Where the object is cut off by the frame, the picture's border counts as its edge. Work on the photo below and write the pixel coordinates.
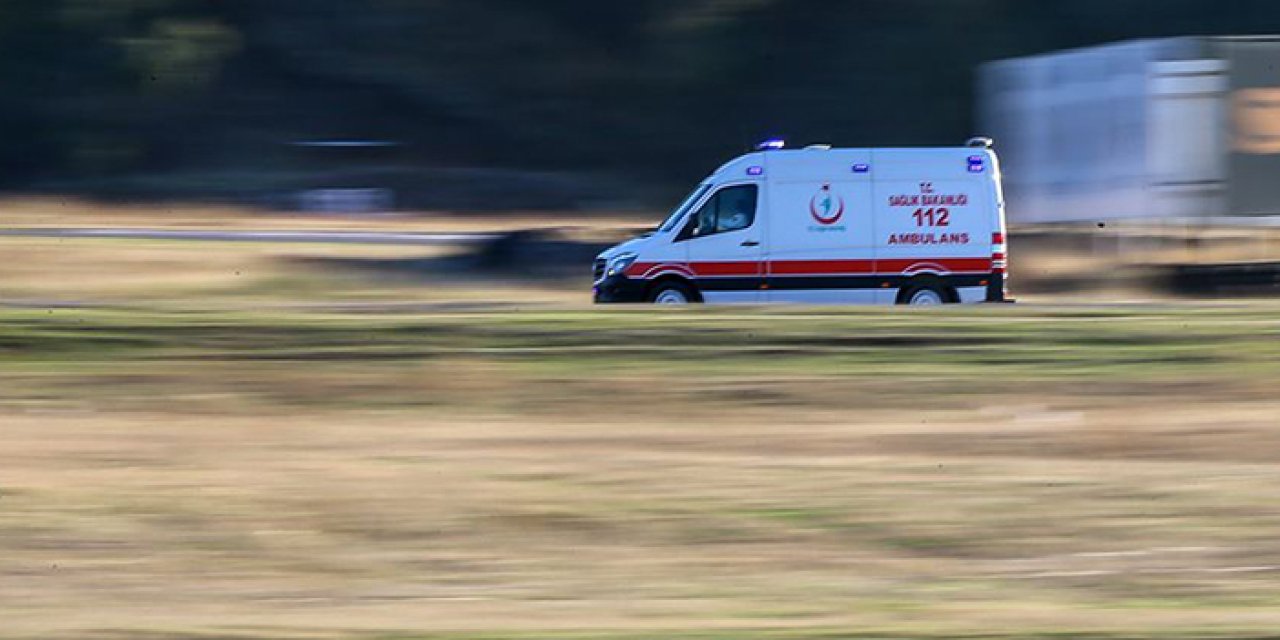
(495, 105)
(577, 108)
(295, 344)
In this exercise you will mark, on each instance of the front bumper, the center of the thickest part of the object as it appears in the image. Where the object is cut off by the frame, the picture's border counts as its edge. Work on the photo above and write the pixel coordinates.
(619, 289)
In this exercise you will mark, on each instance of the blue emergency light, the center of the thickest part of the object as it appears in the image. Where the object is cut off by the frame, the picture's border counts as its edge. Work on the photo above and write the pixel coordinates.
(862, 168)
(776, 144)
(977, 164)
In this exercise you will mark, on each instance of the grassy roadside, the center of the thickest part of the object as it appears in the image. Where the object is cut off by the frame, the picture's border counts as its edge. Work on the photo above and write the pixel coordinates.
(560, 356)
(726, 634)
(634, 473)
(73, 213)
(259, 441)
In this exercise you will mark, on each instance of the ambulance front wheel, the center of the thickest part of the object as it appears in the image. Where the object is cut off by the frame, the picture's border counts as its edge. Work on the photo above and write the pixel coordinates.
(673, 292)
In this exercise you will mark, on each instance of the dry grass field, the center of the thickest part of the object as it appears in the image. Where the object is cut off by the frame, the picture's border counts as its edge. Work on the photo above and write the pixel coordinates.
(232, 442)
(66, 213)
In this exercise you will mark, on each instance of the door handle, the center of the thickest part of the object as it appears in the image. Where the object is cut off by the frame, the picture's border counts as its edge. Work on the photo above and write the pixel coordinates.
(751, 243)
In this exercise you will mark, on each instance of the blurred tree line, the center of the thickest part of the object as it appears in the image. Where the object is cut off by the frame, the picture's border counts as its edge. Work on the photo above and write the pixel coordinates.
(99, 92)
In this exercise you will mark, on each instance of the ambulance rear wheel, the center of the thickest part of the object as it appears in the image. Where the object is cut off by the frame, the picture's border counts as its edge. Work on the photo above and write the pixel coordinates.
(672, 292)
(925, 297)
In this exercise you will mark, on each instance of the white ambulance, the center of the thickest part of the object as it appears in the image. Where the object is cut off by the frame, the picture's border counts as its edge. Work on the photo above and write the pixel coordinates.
(825, 226)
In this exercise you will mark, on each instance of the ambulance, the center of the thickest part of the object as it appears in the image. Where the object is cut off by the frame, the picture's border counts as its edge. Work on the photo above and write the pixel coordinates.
(912, 226)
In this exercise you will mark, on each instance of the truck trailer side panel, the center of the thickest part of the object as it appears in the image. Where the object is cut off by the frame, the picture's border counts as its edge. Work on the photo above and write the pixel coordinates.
(1155, 129)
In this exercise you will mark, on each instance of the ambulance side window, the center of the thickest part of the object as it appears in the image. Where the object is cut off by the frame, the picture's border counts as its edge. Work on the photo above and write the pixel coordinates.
(730, 209)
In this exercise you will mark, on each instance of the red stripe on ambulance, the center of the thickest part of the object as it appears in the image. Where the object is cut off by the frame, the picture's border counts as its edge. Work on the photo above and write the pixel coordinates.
(895, 267)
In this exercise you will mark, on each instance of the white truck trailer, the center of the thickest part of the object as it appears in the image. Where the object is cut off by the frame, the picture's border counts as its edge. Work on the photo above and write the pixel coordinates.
(1172, 130)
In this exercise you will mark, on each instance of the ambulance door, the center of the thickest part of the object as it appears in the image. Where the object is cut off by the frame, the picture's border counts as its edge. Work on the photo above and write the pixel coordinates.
(821, 236)
(724, 238)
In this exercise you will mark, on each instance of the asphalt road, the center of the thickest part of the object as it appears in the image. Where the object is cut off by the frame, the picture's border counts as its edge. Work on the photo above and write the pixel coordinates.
(302, 237)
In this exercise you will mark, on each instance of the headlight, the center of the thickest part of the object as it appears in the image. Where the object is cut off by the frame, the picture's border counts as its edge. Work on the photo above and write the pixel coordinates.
(620, 263)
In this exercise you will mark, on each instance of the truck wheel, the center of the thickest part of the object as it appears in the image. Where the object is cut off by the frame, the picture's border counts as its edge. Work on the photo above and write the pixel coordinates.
(672, 292)
(926, 297)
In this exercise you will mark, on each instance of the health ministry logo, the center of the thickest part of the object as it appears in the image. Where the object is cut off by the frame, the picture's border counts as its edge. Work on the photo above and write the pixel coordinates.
(826, 206)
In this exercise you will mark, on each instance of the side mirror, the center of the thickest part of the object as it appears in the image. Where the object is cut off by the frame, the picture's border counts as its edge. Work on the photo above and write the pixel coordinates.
(690, 231)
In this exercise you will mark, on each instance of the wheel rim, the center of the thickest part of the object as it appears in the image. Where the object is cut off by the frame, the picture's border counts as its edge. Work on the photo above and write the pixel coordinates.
(671, 296)
(926, 298)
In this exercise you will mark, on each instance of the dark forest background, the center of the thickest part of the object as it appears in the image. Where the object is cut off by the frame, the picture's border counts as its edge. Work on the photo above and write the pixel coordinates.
(547, 100)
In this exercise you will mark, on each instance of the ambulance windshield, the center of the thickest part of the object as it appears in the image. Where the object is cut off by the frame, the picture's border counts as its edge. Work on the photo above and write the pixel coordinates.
(674, 219)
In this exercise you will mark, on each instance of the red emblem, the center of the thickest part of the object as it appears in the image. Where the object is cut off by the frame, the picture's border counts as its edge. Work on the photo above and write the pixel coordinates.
(826, 206)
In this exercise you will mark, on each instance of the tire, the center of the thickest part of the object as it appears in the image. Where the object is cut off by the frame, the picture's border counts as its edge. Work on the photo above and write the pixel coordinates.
(925, 297)
(672, 293)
